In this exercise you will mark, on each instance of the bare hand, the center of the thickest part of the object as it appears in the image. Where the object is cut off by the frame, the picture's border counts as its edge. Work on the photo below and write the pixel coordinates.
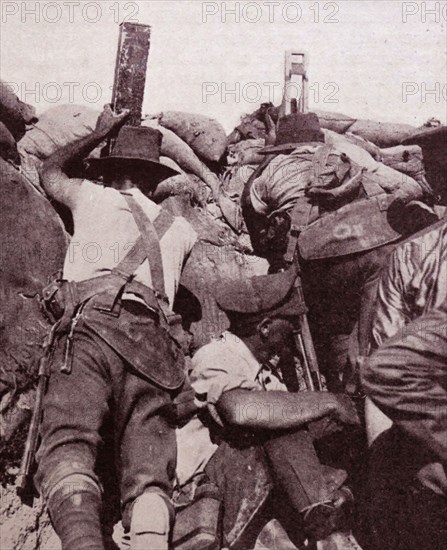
(108, 120)
(345, 411)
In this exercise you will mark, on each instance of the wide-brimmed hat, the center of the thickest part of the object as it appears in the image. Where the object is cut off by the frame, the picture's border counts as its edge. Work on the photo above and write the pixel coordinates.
(294, 130)
(249, 300)
(134, 148)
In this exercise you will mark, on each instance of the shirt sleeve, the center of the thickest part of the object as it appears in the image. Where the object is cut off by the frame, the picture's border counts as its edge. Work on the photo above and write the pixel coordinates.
(215, 371)
(407, 379)
(392, 312)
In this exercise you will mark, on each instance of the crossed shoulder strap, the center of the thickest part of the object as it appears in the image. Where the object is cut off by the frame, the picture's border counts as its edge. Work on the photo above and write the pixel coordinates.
(147, 245)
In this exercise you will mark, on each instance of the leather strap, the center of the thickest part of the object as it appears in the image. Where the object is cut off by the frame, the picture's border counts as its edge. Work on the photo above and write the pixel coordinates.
(148, 242)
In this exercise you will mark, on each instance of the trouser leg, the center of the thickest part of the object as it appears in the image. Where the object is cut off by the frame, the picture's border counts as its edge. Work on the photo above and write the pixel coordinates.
(74, 506)
(298, 470)
(73, 411)
(147, 459)
(341, 294)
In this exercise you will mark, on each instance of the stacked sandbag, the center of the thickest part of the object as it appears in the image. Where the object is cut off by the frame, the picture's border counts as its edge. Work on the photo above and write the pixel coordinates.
(406, 159)
(56, 127)
(383, 134)
(33, 248)
(173, 147)
(8, 145)
(204, 135)
(14, 113)
(380, 134)
(336, 122)
(378, 177)
(370, 147)
(14, 116)
(352, 148)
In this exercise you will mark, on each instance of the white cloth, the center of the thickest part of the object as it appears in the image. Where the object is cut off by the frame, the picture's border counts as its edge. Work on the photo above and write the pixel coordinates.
(104, 231)
(222, 365)
(227, 364)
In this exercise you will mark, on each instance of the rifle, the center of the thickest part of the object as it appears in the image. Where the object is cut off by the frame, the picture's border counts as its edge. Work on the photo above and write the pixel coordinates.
(25, 487)
(305, 345)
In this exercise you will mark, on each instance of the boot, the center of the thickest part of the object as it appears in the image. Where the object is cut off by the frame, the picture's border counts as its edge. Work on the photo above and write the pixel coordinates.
(327, 523)
(322, 519)
(75, 506)
(150, 523)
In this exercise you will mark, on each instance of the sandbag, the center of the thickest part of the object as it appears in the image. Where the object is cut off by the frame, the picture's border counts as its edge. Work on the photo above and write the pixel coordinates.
(344, 144)
(8, 146)
(383, 134)
(182, 184)
(393, 182)
(336, 122)
(378, 176)
(406, 159)
(33, 248)
(204, 135)
(180, 152)
(57, 127)
(369, 146)
(172, 164)
(15, 114)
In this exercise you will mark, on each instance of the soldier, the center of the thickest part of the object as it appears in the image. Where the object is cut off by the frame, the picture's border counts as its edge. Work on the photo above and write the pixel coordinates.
(242, 379)
(400, 476)
(116, 350)
(407, 379)
(328, 208)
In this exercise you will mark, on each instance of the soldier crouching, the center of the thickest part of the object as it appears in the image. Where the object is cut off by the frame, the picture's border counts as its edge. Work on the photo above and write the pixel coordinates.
(246, 384)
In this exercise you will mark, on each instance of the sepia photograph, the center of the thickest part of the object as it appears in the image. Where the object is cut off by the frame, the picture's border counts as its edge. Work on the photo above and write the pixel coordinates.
(223, 275)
